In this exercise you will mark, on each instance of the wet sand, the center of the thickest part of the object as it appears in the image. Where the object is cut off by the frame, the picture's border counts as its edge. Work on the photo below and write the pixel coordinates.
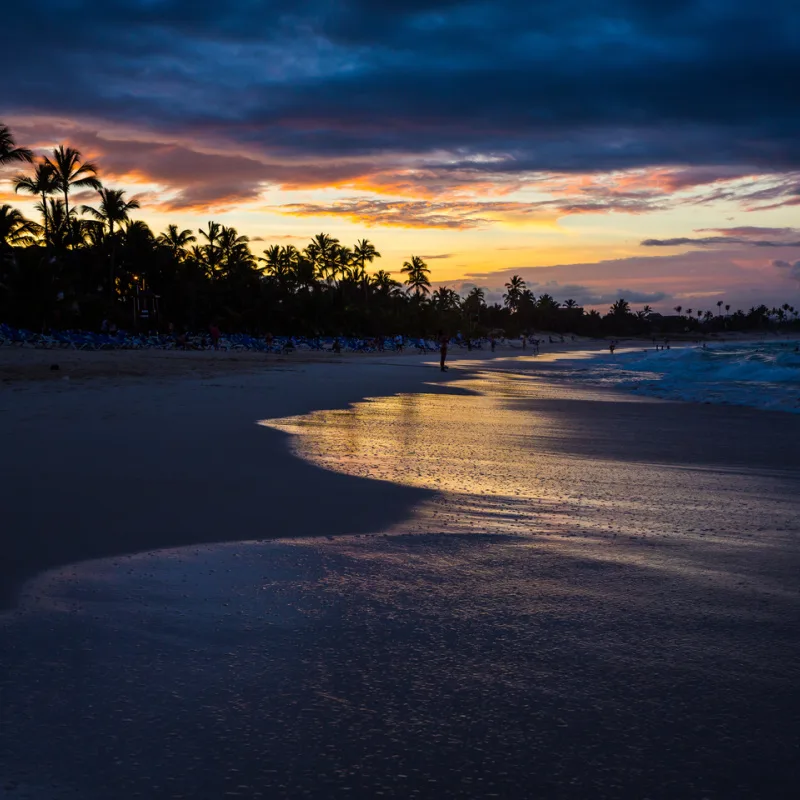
(569, 593)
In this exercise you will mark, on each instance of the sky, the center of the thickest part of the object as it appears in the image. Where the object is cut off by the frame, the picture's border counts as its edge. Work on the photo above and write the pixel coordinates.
(643, 148)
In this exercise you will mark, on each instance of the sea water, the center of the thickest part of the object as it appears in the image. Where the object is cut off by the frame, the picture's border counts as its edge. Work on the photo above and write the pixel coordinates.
(757, 374)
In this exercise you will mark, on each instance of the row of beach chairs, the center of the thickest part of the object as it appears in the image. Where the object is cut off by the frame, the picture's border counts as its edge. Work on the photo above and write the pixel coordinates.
(124, 340)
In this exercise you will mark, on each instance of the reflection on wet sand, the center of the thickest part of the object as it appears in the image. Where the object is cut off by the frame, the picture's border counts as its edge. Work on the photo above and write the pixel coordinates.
(502, 466)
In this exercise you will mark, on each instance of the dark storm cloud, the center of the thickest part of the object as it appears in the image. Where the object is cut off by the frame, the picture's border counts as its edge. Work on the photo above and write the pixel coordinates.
(482, 88)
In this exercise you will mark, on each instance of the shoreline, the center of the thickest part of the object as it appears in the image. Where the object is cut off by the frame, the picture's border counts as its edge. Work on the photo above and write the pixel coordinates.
(19, 365)
(96, 440)
(132, 466)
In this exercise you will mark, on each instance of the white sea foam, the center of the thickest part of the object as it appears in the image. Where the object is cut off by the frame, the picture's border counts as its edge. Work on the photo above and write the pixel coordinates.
(749, 374)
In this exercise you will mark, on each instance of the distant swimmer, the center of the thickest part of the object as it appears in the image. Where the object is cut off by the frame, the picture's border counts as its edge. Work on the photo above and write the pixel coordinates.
(612, 347)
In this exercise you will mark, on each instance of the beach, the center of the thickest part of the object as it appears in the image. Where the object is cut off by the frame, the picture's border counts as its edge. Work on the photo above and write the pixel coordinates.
(360, 577)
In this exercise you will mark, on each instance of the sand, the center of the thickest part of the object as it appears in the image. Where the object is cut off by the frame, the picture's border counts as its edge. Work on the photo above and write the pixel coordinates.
(502, 586)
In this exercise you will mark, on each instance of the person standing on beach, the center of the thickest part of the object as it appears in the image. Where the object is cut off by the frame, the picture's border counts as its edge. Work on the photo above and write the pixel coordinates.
(443, 340)
(213, 329)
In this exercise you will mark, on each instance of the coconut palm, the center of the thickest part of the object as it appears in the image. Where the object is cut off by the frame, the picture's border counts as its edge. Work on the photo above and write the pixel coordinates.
(570, 303)
(342, 264)
(514, 289)
(273, 260)
(363, 253)
(9, 152)
(211, 236)
(15, 230)
(41, 184)
(71, 172)
(384, 282)
(719, 308)
(321, 252)
(417, 271)
(113, 209)
(620, 308)
(678, 310)
(476, 298)
(234, 251)
(547, 303)
(445, 299)
(59, 224)
(176, 241)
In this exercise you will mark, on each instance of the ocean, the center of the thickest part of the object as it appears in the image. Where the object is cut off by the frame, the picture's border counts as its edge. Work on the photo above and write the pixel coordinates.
(756, 374)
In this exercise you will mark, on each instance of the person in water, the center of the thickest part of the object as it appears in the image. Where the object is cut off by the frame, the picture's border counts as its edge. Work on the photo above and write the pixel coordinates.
(612, 347)
(443, 340)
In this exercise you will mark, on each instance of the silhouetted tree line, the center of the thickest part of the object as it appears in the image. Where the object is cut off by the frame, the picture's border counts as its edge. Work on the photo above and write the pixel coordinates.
(80, 264)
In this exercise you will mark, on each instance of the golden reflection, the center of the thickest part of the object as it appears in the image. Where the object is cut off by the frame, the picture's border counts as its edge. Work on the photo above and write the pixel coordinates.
(503, 463)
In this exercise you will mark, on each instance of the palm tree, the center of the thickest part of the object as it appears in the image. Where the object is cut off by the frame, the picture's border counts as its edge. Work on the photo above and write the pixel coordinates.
(365, 252)
(212, 237)
(384, 282)
(620, 308)
(113, 209)
(71, 172)
(342, 260)
(15, 230)
(417, 280)
(514, 288)
(570, 303)
(176, 241)
(59, 224)
(727, 308)
(678, 310)
(476, 297)
(547, 303)
(321, 253)
(41, 184)
(234, 251)
(445, 299)
(719, 308)
(9, 152)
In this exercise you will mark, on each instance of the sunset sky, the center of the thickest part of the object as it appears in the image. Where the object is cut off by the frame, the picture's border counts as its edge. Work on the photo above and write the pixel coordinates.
(650, 149)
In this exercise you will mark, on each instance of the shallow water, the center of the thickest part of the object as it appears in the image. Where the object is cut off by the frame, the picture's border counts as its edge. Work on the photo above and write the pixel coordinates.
(600, 600)
(761, 375)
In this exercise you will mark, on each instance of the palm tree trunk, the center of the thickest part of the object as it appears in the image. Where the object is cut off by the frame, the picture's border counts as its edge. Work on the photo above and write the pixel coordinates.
(112, 269)
(45, 214)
